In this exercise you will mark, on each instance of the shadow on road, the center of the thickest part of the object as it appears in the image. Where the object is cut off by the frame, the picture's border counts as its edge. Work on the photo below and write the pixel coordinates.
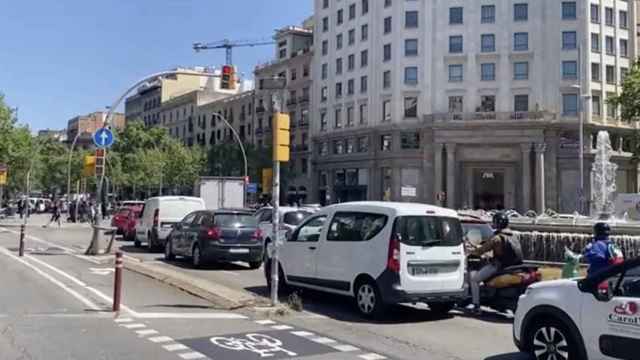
(134, 250)
(179, 306)
(511, 356)
(186, 264)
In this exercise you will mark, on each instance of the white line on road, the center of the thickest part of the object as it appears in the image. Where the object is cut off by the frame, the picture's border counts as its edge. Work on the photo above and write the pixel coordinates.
(226, 316)
(160, 339)
(76, 281)
(282, 327)
(265, 322)
(302, 333)
(371, 356)
(134, 326)
(123, 320)
(175, 347)
(146, 332)
(345, 348)
(229, 272)
(192, 356)
(323, 340)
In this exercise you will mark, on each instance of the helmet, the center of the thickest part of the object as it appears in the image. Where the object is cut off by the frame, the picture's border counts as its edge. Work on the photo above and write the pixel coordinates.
(500, 221)
(601, 229)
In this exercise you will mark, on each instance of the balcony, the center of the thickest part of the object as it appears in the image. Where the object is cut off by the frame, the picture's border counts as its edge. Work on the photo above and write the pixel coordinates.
(491, 116)
(259, 131)
(303, 99)
(260, 109)
(292, 101)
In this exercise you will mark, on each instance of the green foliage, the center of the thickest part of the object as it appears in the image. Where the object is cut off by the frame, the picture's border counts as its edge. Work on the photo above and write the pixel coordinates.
(629, 98)
(16, 148)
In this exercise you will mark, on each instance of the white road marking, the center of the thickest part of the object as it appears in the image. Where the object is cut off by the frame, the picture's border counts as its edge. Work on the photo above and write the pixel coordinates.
(73, 293)
(70, 277)
(134, 326)
(372, 356)
(229, 272)
(123, 320)
(265, 322)
(160, 339)
(226, 316)
(323, 340)
(110, 300)
(345, 348)
(102, 271)
(192, 356)
(146, 332)
(302, 333)
(175, 347)
(282, 327)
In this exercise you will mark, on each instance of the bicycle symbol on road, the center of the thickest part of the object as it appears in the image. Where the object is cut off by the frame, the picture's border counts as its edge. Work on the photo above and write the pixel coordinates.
(264, 345)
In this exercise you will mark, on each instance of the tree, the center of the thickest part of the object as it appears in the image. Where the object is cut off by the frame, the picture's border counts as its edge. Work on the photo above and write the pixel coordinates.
(629, 102)
(16, 148)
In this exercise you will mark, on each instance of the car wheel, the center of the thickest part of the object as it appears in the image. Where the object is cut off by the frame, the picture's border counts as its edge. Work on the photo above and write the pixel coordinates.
(550, 339)
(196, 257)
(136, 241)
(150, 242)
(168, 251)
(368, 299)
(442, 308)
(255, 265)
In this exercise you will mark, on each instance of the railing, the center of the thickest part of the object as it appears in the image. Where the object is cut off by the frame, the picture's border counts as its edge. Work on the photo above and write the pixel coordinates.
(303, 99)
(260, 109)
(292, 101)
(499, 116)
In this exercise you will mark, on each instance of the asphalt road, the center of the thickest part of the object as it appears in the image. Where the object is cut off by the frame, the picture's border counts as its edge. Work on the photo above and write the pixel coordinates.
(406, 333)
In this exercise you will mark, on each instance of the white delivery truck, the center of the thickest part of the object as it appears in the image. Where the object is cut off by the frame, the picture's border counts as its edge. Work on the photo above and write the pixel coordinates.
(221, 192)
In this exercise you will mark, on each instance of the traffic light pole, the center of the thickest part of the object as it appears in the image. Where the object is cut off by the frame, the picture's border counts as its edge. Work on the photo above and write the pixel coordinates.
(276, 230)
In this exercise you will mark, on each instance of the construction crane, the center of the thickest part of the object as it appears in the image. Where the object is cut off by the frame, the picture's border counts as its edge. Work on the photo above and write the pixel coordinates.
(228, 45)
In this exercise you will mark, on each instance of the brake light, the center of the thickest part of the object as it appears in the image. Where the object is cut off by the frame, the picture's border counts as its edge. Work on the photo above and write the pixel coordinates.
(156, 216)
(257, 235)
(214, 233)
(393, 259)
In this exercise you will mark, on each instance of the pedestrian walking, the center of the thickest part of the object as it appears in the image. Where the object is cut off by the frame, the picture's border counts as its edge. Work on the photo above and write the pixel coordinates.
(55, 215)
(20, 207)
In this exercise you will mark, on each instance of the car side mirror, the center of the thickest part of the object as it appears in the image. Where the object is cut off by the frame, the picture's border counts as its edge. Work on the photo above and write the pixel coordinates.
(288, 234)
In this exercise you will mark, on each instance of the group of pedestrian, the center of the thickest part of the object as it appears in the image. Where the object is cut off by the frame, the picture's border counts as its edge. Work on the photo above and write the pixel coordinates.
(81, 211)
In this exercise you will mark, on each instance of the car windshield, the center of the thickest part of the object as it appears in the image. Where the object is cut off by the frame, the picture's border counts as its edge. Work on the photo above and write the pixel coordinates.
(295, 217)
(428, 231)
(235, 220)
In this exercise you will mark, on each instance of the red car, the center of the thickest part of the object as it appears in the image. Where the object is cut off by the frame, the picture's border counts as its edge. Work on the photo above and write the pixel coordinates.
(125, 221)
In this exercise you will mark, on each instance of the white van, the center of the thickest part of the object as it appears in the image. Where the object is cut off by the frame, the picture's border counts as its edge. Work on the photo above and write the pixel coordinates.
(378, 253)
(160, 214)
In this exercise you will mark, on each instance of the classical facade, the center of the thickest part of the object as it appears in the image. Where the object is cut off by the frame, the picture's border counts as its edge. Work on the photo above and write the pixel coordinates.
(468, 104)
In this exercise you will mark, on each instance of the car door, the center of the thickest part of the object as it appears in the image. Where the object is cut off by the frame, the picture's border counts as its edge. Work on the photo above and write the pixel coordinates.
(611, 327)
(298, 255)
(180, 240)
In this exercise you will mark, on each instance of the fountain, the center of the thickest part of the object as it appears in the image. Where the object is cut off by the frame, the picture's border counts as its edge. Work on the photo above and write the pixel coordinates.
(603, 179)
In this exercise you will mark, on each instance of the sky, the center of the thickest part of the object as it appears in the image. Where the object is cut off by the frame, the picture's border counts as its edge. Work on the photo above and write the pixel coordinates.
(63, 58)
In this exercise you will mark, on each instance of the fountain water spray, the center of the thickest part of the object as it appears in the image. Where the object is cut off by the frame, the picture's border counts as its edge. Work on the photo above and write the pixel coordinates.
(603, 178)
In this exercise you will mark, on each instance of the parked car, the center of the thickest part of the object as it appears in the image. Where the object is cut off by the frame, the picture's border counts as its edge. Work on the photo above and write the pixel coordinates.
(124, 220)
(217, 236)
(290, 217)
(378, 253)
(132, 204)
(158, 216)
(580, 318)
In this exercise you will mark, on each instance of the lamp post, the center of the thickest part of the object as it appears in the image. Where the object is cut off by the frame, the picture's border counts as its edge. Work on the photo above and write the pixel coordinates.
(238, 140)
(581, 115)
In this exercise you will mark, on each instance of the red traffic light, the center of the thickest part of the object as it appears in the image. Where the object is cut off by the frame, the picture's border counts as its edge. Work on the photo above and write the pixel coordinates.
(226, 70)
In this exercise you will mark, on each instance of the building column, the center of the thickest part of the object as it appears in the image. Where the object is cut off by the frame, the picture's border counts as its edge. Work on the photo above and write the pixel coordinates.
(438, 171)
(526, 176)
(451, 176)
(540, 190)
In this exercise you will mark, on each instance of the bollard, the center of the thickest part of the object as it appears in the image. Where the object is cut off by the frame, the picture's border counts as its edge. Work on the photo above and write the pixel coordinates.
(21, 247)
(117, 283)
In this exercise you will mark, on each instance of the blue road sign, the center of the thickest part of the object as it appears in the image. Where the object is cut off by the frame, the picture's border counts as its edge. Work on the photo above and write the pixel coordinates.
(103, 138)
(252, 188)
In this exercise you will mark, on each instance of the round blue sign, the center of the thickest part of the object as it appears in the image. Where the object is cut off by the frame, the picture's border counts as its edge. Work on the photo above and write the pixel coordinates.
(103, 138)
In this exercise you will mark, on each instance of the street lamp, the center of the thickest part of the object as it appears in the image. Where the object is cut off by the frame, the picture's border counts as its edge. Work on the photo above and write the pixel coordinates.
(238, 140)
(581, 114)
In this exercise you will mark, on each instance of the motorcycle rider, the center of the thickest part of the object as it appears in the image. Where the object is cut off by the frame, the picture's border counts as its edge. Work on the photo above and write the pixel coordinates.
(601, 252)
(507, 251)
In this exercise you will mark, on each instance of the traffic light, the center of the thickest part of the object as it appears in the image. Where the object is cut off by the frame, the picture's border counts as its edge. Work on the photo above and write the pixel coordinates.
(99, 162)
(89, 165)
(228, 78)
(281, 140)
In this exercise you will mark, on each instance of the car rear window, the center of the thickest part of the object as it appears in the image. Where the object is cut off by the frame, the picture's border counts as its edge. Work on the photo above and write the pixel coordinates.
(235, 220)
(428, 231)
(295, 217)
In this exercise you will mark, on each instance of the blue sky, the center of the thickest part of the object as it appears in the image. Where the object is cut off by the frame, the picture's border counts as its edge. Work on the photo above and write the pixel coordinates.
(59, 59)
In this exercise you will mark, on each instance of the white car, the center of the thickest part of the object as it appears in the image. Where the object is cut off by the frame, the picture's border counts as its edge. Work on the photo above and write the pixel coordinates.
(290, 217)
(378, 253)
(158, 216)
(576, 319)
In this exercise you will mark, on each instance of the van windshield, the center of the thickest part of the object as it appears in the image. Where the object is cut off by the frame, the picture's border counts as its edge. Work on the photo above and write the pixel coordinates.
(428, 231)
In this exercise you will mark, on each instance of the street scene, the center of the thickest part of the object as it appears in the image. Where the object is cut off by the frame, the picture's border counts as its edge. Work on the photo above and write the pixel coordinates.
(344, 179)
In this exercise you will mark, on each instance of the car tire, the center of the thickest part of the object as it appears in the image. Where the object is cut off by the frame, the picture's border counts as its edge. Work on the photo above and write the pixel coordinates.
(368, 299)
(151, 243)
(196, 257)
(441, 308)
(168, 251)
(255, 265)
(549, 338)
(136, 241)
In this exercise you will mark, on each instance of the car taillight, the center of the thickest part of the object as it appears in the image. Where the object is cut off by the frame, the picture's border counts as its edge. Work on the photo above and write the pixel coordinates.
(257, 235)
(156, 216)
(214, 233)
(393, 259)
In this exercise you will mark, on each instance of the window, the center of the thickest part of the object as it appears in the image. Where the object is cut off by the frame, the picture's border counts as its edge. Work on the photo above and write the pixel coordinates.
(325, 24)
(386, 79)
(410, 140)
(428, 231)
(609, 45)
(355, 226)
(323, 93)
(387, 3)
(521, 70)
(339, 41)
(364, 32)
(352, 11)
(386, 110)
(455, 15)
(521, 103)
(569, 70)
(488, 43)
(410, 107)
(364, 58)
(595, 13)
(338, 90)
(338, 119)
(294, 74)
(608, 17)
(364, 84)
(488, 103)
(385, 143)
(363, 144)
(364, 115)
(568, 40)
(325, 47)
(611, 109)
(569, 104)
(520, 12)
(411, 19)
(339, 66)
(324, 70)
(350, 116)
(350, 145)
(387, 24)
(488, 72)
(411, 47)
(623, 73)
(488, 14)
(596, 105)
(309, 231)
(324, 148)
(568, 10)
(340, 17)
(595, 71)
(351, 86)
(351, 62)
(623, 21)
(595, 42)
(411, 75)
(365, 6)
(521, 41)
(455, 44)
(325, 4)
(386, 52)
(305, 166)
(455, 73)
(351, 36)
(610, 74)
(624, 50)
(323, 121)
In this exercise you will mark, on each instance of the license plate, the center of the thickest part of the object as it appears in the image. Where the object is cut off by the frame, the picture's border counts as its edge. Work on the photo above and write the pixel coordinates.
(239, 251)
(424, 270)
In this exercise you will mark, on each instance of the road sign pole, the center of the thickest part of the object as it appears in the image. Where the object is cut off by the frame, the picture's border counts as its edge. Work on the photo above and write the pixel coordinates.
(276, 235)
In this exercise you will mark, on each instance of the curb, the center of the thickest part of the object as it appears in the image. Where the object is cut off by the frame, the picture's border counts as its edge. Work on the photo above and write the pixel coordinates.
(222, 297)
